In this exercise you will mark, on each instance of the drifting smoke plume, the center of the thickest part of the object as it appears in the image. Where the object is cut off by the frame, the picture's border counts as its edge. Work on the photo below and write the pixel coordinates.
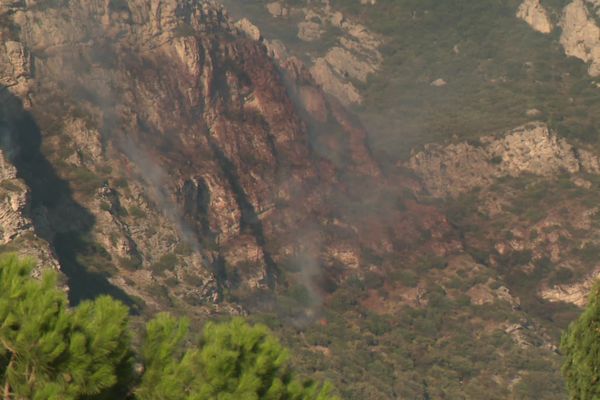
(158, 187)
(99, 92)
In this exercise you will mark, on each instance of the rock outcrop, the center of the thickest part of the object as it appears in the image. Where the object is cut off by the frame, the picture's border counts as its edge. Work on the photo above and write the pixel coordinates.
(355, 58)
(531, 149)
(309, 31)
(580, 32)
(532, 12)
(576, 293)
(352, 59)
(17, 233)
(276, 9)
(580, 35)
(15, 203)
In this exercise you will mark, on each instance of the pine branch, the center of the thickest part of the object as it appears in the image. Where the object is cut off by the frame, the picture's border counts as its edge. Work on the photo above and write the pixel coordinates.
(6, 381)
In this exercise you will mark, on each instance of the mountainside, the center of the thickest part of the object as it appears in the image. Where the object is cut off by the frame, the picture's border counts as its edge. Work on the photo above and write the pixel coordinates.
(163, 139)
(402, 190)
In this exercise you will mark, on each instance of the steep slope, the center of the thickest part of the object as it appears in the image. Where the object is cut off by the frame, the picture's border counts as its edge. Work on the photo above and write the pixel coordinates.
(175, 134)
(521, 203)
(164, 153)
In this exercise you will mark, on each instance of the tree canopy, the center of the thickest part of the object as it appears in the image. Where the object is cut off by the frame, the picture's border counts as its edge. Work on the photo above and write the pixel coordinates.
(232, 361)
(581, 347)
(49, 351)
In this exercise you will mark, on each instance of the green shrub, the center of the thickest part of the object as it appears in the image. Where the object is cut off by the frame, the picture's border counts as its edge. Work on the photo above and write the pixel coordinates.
(132, 263)
(167, 262)
(136, 212)
(406, 277)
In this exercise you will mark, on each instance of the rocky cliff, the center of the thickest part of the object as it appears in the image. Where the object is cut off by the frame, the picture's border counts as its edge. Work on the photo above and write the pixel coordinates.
(159, 138)
(532, 12)
(580, 33)
(340, 52)
(531, 149)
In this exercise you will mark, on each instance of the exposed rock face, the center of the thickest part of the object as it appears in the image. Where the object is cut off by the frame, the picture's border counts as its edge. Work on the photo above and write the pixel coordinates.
(309, 31)
(249, 28)
(558, 232)
(170, 141)
(439, 82)
(355, 59)
(482, 294)
(15, 201)
(15, 68)
(16, 228)
(330, 82)
(339, 67)
(532, 12)
(576, 293)
(457, 168)
(581, 35)
(343, 62)
(276, 9)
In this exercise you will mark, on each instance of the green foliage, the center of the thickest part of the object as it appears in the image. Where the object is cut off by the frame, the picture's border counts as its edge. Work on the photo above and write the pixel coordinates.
(164, 263)
(136, 212)
(84, 181)
(581, 346)
(184, 30)
(119, 5)
(49, 351)
(233, 361)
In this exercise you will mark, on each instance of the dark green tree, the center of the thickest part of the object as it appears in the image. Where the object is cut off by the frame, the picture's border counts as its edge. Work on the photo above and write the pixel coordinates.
(49, 351)
(233, 361)
(581, 347)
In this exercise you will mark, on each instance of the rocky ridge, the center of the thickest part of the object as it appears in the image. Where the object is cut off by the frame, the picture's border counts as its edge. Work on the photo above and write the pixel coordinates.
(576, 293)
(352, 59)
(17, 232)
(580, 33)
(530, 149)
(532, 12)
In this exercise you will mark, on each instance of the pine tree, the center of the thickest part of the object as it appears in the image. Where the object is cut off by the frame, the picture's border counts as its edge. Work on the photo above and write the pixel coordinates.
(581, 347)
(166, 374)
(233, 361)
(48, 351)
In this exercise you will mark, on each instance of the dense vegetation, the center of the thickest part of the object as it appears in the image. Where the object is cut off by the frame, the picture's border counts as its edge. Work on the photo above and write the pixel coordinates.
(49, 351)
(491, 81)
(581, 345)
